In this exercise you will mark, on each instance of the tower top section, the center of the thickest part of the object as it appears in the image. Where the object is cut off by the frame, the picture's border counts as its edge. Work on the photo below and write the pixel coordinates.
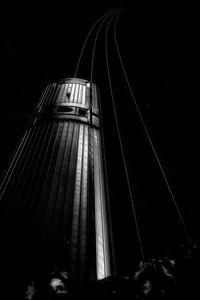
(72, 99)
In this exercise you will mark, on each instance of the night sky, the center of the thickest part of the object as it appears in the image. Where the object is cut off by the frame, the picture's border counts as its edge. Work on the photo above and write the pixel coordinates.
(164, 75)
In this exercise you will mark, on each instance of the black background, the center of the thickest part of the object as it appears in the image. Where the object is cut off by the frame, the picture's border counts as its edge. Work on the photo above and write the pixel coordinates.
(38, 47)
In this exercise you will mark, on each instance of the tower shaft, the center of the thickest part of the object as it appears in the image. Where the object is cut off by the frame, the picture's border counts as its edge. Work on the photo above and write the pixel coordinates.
(55, 187)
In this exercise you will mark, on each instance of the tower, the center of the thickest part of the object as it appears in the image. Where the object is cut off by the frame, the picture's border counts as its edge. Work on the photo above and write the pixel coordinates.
(55, 186)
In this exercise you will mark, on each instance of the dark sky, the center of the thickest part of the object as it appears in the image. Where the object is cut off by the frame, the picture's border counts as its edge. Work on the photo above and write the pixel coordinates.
(164, 73)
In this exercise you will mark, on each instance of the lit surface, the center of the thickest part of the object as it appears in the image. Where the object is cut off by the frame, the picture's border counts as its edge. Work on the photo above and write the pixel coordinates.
(84, 95)
(75, 100)
(100, 218)
(66, 90)
(74, 93)
(79, 223)
(77, 194)
(80, 93)
(60, 96)
(83, 228)
(80, 206)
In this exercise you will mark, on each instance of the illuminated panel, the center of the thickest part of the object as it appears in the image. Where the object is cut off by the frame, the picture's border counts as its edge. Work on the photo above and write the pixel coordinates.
(100, 217)
(69, 88)
(84, 95)
(60, 95)
(95, 108)
(64, 98)
(72, 93)
(80, 93)
(76, 94)
(68, 92)
(87, 96)
(84, 192)
(77, 195)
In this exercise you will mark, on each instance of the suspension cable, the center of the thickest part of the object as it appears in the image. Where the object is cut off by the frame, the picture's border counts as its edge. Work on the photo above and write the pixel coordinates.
(149, 138)
(95, 41)
(87, 37)
(120, 140)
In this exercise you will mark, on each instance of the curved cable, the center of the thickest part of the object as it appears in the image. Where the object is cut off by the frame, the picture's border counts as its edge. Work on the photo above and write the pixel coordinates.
(95, 41)
(149, 138)
(87, 37)
(120, 140)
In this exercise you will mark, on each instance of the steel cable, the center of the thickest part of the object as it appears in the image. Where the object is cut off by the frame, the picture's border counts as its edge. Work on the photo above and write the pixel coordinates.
(88, 35)
(120, 141)
(149, 138)
(112, 14)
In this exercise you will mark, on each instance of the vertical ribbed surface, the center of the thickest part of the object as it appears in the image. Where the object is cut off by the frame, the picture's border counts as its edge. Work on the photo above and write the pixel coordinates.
(55, 187)
(100, 212)
(75, 93)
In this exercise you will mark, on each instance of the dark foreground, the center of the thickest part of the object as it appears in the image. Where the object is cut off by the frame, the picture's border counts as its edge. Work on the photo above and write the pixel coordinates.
(163, 278)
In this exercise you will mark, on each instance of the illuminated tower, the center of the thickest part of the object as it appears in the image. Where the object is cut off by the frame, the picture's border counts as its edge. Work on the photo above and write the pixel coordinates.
(55, 185)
